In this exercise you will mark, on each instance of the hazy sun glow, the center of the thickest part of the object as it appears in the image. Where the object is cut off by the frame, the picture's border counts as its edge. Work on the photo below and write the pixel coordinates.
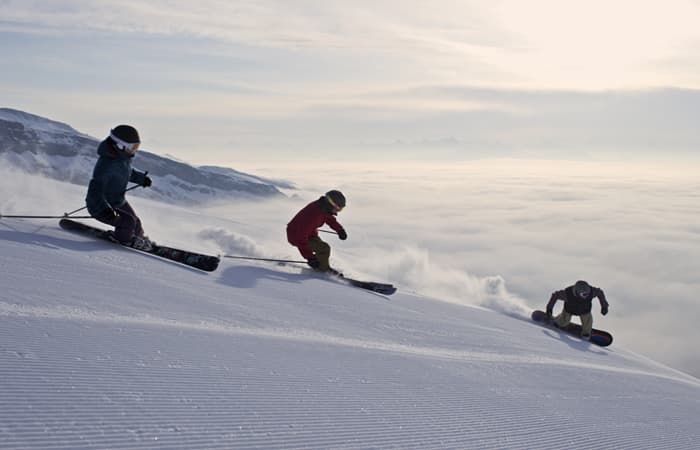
(599, 44)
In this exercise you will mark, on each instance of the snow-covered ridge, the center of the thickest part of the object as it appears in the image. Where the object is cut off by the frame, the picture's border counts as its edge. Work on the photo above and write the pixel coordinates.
(230, 172)
(38, 145)
(37, 123)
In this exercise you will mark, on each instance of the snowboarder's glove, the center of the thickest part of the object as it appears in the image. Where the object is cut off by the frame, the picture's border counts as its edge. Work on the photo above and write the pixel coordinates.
(604, 310)
(146, 181)
(342, 235)
(549, 313)
(313, 262)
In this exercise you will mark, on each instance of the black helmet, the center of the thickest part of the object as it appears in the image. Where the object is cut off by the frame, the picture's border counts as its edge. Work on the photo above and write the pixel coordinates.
(582, 289)
(125, 137)
(336, 199)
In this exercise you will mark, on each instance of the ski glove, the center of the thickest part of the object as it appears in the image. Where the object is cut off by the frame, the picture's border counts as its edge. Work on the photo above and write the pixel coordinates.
(342, 235)
(604, 310)
(313, 262)
(146, 181)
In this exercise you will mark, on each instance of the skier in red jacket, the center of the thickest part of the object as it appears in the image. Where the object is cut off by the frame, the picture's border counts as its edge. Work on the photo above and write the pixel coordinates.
(302, 230)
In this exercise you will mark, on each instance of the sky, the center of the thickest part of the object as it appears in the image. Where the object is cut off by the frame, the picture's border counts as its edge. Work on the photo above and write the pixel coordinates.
(107, 347)
(218, 82)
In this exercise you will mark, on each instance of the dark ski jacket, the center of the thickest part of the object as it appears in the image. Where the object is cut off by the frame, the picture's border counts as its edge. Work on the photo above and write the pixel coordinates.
(110, 176)
(306, 223)
(575, 305)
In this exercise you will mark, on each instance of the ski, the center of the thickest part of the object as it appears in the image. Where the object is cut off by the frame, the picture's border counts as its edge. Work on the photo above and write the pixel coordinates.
(197, 260)
(384, 289)
(598, 337)
(380, 288)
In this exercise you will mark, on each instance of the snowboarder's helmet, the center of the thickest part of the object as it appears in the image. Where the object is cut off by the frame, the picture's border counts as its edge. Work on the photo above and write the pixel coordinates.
(336, 199)
(582, 289)
(126, 138)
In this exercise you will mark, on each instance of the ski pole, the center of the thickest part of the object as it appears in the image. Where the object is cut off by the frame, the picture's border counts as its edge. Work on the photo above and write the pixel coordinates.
(2, 216)
(328, 231)
(80, 209)
(73, 212)
(266, 259)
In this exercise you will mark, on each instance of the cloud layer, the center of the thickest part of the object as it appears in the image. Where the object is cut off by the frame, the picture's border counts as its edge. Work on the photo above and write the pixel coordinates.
(502, 234)
(505, 234)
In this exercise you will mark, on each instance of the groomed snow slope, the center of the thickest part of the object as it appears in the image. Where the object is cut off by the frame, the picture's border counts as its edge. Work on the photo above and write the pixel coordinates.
(104, 347)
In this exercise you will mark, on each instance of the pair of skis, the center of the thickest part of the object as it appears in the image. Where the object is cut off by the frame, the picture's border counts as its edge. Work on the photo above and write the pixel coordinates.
(197, 260)
(201, 261)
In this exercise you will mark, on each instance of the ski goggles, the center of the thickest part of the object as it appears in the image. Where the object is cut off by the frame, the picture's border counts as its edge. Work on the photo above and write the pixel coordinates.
(131, 149)
(335, 207)
(126, 147)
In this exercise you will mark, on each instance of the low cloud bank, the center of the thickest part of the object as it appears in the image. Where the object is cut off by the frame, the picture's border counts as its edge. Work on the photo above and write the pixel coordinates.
(501, 235)
(505, 234)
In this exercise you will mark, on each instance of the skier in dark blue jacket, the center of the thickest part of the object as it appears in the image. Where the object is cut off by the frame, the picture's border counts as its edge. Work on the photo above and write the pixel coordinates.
(578, 301)
(105, 197)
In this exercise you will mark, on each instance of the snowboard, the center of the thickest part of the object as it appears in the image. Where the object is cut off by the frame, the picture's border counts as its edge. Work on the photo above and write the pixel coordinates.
(598, 337)
(197, 260)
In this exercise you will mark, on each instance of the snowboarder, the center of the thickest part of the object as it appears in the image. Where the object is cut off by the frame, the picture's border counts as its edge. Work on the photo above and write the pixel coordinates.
(105, 197)
(578, 301)
(302, 230)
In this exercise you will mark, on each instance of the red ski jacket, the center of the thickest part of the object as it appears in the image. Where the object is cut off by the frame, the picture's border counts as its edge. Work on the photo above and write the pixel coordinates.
(306, 224)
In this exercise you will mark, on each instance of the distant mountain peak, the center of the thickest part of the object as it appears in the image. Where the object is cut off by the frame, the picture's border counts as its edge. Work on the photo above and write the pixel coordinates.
(35, 144)
(37, 123)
